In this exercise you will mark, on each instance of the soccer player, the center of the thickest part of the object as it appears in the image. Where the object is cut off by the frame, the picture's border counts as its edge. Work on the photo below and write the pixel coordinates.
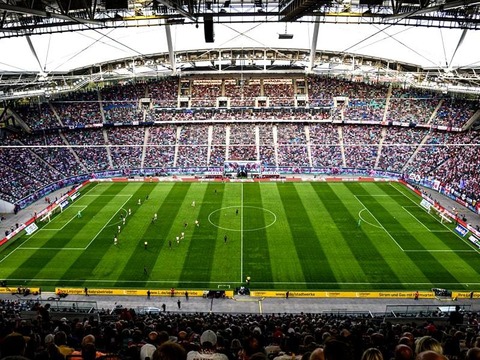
(79, 214)
(115, 241)
(145, 245)
(225, 239)
(155, 217)
(139, 202)
(170, 244)
(129, 212)
(236, 212)
(197, 223)
(183, 236)
(193, 203)
(123, 221)
(178, 240)
(119, 228)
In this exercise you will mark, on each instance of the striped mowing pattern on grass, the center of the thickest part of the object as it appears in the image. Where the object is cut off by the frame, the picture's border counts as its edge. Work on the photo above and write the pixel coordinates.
(358, 236)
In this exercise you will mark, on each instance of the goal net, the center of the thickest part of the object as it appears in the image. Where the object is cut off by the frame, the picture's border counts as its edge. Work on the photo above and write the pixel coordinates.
(53, 211)
(441, 215)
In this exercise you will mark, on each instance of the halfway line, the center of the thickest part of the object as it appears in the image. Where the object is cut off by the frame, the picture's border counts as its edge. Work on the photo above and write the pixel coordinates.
(241, 234)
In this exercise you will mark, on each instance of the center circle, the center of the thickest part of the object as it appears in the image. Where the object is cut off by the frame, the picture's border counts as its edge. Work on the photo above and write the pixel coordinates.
(233, 221)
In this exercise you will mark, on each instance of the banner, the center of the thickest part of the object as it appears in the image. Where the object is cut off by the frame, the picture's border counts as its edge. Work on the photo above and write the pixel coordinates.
(343, 294)
(136, 292)
(460, 230)
(474, 240)
(15, 290)
(30, 229)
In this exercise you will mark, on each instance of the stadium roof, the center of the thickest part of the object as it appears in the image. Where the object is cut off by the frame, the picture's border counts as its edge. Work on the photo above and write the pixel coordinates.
(63, 52)
(46, 38)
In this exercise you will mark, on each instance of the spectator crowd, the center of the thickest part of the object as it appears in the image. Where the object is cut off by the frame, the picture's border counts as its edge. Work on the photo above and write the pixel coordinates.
(178, 335)
(344, 124)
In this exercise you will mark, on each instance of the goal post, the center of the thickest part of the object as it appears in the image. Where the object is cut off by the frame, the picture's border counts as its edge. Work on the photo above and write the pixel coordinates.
(441, 215)
(47, 217)
(54, 210)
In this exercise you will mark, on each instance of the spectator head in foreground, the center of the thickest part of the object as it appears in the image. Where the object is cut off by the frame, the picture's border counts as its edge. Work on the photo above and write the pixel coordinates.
(428, 343)
(430, 355)
(473, 354)
(372, 354)
(336, 350)
(13, 345)
(170, 351)
(403, 352)
(208, 340)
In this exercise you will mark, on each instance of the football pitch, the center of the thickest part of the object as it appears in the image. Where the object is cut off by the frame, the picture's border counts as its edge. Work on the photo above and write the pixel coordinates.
(284, 236)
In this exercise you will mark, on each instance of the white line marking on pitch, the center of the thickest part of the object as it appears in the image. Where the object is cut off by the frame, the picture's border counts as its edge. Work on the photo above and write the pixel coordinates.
(445, 226)
(257, 282)
(68, 222)
(241, 234)
(379, 223)
(104, 226)
(43, 248)
(107, 195)
(367, 222)
(74, 249)
(441, 251)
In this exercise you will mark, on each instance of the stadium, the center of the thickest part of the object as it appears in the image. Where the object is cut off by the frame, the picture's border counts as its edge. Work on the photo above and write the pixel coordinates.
(239, 179)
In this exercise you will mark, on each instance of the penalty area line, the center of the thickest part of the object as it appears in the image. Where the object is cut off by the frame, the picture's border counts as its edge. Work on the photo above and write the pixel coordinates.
(379, 223)
(445, 226)
(116, 195)
(68, 222)
(43, 248)
(367, 222)
(442, 251)
(108, 222)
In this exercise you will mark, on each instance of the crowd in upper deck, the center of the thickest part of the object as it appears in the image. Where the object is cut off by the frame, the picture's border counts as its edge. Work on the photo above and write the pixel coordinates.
(326, 98)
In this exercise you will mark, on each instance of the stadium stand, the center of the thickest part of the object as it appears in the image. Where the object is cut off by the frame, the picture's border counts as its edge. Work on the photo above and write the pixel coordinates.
(121, 332)
(347, 126)
(163, 153)
(372, 131)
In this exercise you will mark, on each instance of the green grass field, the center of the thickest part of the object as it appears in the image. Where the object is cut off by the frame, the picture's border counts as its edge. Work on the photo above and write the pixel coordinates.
(285, 236)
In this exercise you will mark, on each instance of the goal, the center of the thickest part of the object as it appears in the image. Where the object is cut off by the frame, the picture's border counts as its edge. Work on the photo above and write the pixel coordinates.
(440, 214)
(54, 210)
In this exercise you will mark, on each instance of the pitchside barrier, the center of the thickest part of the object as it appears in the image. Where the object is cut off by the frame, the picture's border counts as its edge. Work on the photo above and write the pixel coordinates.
(133, 292)
(20, 290)
(271, 294)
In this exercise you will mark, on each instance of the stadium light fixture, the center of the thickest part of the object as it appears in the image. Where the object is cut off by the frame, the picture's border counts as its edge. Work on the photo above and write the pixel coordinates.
(286, 35)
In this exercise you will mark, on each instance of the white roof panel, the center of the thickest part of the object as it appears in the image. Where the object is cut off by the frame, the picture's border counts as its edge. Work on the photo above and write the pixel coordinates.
(62, 52)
